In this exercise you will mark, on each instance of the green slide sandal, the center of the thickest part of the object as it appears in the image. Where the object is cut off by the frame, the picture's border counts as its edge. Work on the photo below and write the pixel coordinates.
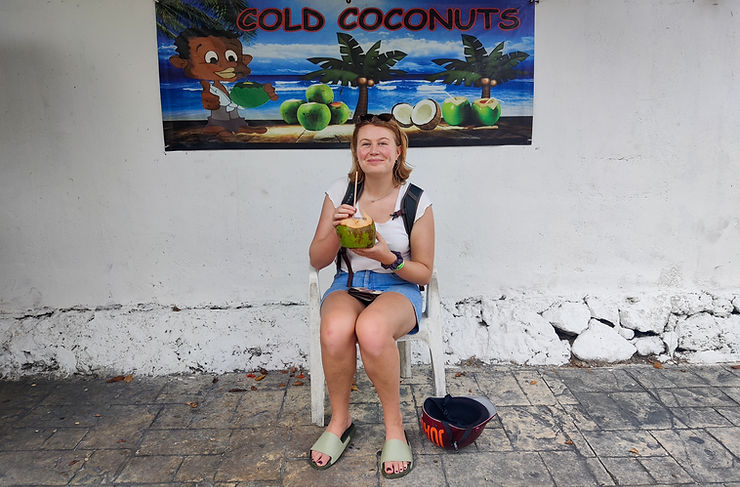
(396, 451)
(331, 445)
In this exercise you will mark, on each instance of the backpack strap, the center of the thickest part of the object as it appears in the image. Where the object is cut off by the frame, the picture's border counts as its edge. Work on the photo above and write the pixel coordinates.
(409, 205)
(349, 198)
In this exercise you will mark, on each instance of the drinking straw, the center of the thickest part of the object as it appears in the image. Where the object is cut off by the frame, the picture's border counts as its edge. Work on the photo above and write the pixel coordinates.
(354, 201)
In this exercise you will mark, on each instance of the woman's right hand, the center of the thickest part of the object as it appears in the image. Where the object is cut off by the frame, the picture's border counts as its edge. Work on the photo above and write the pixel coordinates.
(344, 211)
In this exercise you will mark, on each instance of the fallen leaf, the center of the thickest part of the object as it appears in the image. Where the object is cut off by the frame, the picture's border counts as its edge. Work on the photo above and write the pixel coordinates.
(293, 369)
(568, 442)
(175, 308)
(301, 376)
(118, 378)
(73, 462)
(299, 383)
(460, 374)
(237, 390)
(260, 377)
(254, 388)
(657, 365)
(77, 423)
(121, 441)
(354, 387)
(96, 415)
(251, 376)
(635, 451)
(128, 378)
(533, 382)
(193, 404)
(736, 367)
(283, 371)
(282, 384)
(263, 371)
(215, 379)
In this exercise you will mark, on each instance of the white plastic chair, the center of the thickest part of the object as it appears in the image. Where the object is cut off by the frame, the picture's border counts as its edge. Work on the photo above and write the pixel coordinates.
(430, 332)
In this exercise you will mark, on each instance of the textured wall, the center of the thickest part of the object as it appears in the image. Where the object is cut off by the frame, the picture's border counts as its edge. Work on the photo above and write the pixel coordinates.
(629, 188)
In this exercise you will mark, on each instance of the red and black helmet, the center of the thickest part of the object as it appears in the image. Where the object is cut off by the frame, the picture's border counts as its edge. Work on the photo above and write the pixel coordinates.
(455, 422)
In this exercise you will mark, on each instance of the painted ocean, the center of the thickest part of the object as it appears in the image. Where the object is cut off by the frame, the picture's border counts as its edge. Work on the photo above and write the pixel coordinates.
(181, 97)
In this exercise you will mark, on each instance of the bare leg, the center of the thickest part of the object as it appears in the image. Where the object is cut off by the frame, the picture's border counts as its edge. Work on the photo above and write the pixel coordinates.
(389, 317)
(339, 357)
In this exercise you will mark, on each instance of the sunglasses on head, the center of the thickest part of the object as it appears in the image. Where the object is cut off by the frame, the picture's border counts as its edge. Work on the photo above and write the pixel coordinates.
(369, 117)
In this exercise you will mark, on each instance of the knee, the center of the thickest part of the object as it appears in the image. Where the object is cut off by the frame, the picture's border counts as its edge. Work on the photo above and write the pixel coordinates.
(336, 339)
(373, 338)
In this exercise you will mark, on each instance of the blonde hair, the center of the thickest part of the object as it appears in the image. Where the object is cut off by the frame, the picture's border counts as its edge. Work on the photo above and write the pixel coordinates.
(401, 170)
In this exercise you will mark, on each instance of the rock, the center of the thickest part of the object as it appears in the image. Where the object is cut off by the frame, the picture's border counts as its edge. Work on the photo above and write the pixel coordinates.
(699, 332)
(625, 333)
(649, 314)
(722, 306)
(691, 303)
(603, 309)
(506, 331)
(736, 304)
(569, 317)
(652, 345)
(670, 339)
(602, 343)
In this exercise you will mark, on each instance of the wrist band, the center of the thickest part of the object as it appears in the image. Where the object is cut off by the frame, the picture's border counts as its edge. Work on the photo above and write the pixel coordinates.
(400, 266)
(397, 264)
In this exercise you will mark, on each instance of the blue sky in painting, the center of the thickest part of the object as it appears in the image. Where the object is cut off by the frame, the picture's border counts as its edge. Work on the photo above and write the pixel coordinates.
(286, 53)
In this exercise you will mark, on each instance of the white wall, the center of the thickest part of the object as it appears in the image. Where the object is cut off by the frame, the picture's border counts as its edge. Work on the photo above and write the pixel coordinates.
(630, 185)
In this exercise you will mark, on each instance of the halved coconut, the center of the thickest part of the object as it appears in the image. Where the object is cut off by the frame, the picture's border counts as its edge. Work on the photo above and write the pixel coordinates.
(356, 233)
(402, 113)
(426, 114)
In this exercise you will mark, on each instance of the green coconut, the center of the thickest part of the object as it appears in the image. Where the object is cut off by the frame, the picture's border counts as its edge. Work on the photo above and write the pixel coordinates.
(356, 233)
(249, 95)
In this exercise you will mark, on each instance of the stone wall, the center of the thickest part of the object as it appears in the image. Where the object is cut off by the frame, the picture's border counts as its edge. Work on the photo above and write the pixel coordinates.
(524, 329)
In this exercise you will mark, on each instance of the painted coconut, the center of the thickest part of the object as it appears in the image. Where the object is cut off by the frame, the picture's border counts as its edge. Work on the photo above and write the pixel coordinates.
(339, 112)
(426, 114)
(289, 110)
(456, 110)
(314, 116)
(320, 93)
(487, 110)
(356, 233)
(402, 113)
(249, 95)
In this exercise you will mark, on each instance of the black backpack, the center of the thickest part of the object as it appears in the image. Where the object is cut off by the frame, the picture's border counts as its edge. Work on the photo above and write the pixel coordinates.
(409, 204)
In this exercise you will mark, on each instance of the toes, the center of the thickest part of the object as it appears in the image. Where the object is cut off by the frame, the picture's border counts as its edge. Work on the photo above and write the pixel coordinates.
(396, 467)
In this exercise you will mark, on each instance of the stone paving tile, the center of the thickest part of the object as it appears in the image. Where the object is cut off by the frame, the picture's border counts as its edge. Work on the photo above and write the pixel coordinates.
(49, 467)
(559, 389)
(702, 456)
(597, 380)
(732, 414)
(627, 471)
(512, 469)
(363, 468)
(568, 469)
(665, 470)
(101, 467)
(624, 443)
(184, 442)
(502, 390)
(120, 426)
(531, 428)
(535, 388)
(700, 417)
(427, 472)
(694, 397)
(150, 469)
(733, 393)
(253, 455)
(627, 410)
(729, 437)
(199, 468)
(666, 378)
(718, 376)
(64, 439)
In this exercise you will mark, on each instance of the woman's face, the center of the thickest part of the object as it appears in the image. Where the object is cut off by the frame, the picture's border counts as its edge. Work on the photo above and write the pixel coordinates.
(377, 150)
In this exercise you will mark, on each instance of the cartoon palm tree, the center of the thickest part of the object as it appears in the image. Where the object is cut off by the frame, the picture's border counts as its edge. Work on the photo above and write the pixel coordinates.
(357, 68)
(480, 68)
(174, 16)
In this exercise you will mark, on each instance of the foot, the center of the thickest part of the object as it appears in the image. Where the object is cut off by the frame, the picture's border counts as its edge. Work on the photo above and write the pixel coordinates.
(338, 428)
(395, 467)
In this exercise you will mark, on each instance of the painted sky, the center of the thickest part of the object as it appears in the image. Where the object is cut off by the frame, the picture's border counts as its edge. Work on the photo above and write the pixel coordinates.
(281, 52)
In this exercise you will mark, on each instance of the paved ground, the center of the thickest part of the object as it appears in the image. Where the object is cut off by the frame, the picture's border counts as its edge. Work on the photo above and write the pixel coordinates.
(627, 425)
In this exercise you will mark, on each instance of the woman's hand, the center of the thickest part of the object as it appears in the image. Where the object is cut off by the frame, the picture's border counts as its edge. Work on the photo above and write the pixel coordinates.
(344, 211)
(379, 251)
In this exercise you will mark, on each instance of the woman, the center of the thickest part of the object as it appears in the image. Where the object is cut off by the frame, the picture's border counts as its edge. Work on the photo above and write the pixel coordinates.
(396, 265)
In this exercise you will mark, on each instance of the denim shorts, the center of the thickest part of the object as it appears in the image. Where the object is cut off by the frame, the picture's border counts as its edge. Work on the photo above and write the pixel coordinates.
(380, 281)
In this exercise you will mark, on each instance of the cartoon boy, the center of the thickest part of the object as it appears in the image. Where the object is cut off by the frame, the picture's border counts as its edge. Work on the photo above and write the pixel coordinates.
(215, 57)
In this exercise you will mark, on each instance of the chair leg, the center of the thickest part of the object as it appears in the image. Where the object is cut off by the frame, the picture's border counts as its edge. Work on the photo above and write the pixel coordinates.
(404, 353)
(438, 365)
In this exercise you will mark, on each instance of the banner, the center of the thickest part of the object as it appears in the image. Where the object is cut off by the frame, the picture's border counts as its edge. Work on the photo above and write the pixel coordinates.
(260, 74)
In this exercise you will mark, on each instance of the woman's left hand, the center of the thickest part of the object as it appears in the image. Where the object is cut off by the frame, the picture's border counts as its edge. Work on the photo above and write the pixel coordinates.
(379, 251)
